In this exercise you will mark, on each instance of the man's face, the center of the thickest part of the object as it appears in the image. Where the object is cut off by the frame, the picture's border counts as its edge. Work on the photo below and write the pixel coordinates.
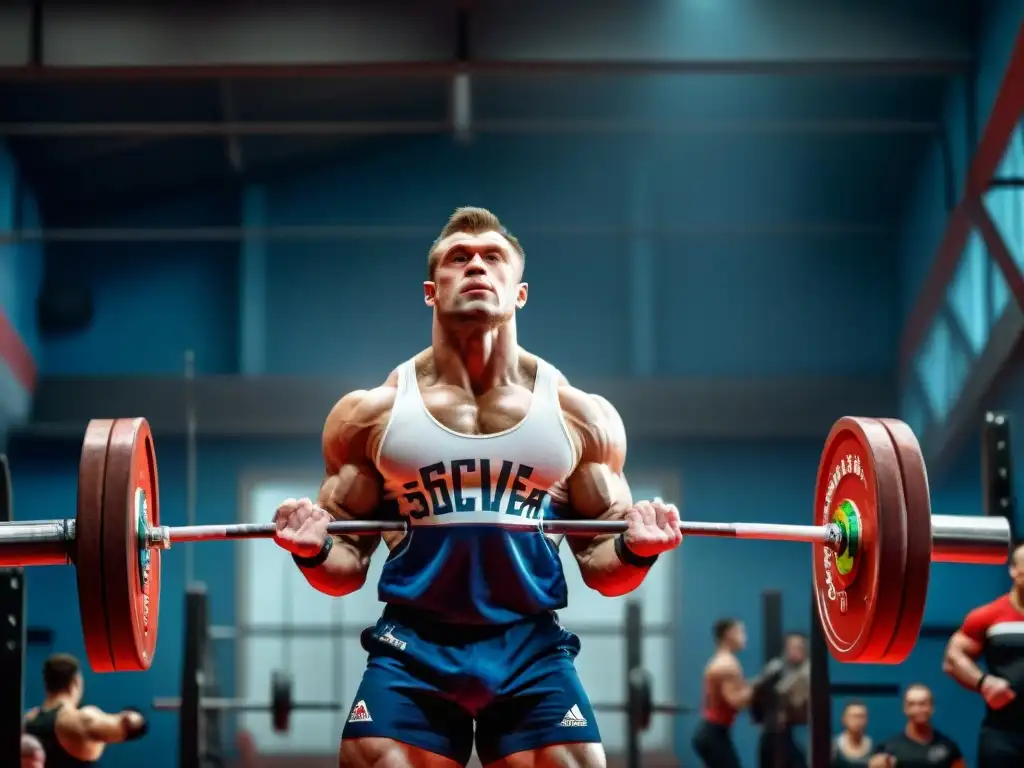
(738, 636)
(796, 650)
(1017, 567)
(917, 705)
(855, 719)
(476, 277)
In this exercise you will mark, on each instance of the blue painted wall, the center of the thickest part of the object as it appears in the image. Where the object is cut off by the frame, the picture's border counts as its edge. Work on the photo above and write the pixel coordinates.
(153, 300)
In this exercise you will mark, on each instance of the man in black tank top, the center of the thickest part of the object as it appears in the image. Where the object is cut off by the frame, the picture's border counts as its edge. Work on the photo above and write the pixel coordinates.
(71, 735)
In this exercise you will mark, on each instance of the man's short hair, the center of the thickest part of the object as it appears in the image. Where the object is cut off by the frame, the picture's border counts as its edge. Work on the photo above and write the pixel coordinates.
(918, 687)
(721, 628)
(472, 221)
(854, 703)
(59, 672)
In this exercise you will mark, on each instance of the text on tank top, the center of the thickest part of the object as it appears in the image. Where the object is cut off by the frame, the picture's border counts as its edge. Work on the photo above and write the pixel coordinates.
(44, 727)
(474, 552)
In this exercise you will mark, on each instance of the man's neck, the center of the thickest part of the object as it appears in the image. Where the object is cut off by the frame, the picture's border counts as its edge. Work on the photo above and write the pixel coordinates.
(56, 699)
(922, 733)
(854, 739)
(477, 358)
(1017, 598)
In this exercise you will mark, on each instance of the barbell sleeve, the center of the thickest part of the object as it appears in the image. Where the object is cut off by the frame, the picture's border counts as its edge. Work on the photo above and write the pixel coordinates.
(975, 540)
(239, 705)
(36, 542)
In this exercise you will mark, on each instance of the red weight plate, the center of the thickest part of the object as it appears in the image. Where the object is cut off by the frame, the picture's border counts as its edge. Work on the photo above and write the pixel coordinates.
(92, 603)
(917, 501)
(859, 468)
(131, 569)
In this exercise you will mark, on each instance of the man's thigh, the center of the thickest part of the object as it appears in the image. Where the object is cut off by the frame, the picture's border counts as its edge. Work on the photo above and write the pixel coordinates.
(545, 721)
(388, 753)
(394, 705)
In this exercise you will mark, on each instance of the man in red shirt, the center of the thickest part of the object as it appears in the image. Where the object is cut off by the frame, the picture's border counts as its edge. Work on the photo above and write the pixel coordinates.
(995, 631)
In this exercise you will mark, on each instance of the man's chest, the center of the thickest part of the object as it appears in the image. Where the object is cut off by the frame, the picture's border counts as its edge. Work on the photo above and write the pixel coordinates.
(913, 755)
(496, 411)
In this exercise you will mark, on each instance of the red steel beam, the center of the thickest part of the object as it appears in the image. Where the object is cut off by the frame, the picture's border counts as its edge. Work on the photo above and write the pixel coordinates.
(997, 249)
(1006, 112)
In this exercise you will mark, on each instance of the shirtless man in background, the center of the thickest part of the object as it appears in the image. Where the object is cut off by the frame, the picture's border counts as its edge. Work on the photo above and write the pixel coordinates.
(473, 442)
(71, 735)
(725, 694)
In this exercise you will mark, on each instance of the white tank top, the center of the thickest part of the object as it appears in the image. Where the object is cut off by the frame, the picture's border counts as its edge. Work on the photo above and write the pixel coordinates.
(442, 477)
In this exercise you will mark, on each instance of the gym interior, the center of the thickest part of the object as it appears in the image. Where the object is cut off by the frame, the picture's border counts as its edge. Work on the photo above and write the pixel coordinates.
(741, 224)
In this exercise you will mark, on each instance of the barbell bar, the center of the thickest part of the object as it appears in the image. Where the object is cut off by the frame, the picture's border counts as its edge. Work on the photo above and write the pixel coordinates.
(240, 705)
(873, 540)
(955, 538)
(282, 703)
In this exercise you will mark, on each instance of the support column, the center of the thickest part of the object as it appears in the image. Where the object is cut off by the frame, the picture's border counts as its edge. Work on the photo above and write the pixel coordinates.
(252, 287)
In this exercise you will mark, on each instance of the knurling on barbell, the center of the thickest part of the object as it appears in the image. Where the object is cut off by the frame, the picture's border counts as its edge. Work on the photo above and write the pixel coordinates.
(873, 540)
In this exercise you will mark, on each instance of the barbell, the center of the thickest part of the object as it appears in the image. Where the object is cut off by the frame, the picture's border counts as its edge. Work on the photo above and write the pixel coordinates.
(282, 703)
(873, 540)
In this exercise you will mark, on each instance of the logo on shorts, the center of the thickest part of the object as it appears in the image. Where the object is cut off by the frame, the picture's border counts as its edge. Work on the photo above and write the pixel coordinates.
(360, 713)
(385, 636)
(574, 718)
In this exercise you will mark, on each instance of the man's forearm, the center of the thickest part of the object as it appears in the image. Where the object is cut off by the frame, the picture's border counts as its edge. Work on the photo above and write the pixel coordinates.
(605, 572)
(963, 669)
(343, 572)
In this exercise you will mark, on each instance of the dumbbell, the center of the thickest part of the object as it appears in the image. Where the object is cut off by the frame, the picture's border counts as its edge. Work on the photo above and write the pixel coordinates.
(282, 703)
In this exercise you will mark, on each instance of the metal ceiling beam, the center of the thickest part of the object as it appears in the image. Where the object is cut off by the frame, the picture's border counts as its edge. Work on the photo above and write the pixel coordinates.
(546, 126)
(1006, 114)
(356, 232)
(396, 38)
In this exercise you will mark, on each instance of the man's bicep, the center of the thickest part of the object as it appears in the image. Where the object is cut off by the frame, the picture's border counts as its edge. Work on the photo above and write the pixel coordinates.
(351, 491)
(975, 627)
(597, 488)
(352, 487)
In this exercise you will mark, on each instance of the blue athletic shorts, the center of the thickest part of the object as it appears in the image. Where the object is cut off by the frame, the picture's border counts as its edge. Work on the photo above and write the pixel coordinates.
(426, 683)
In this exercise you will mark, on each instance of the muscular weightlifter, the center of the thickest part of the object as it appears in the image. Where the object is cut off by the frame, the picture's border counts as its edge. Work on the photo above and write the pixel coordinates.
(71, 735)
(995, 631)
(473, 441)
(725, 694)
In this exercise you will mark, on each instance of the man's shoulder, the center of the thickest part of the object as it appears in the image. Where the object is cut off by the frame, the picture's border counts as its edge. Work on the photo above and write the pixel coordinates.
(364, 406)
(723, 663)
(588, 407)
(993, 612)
